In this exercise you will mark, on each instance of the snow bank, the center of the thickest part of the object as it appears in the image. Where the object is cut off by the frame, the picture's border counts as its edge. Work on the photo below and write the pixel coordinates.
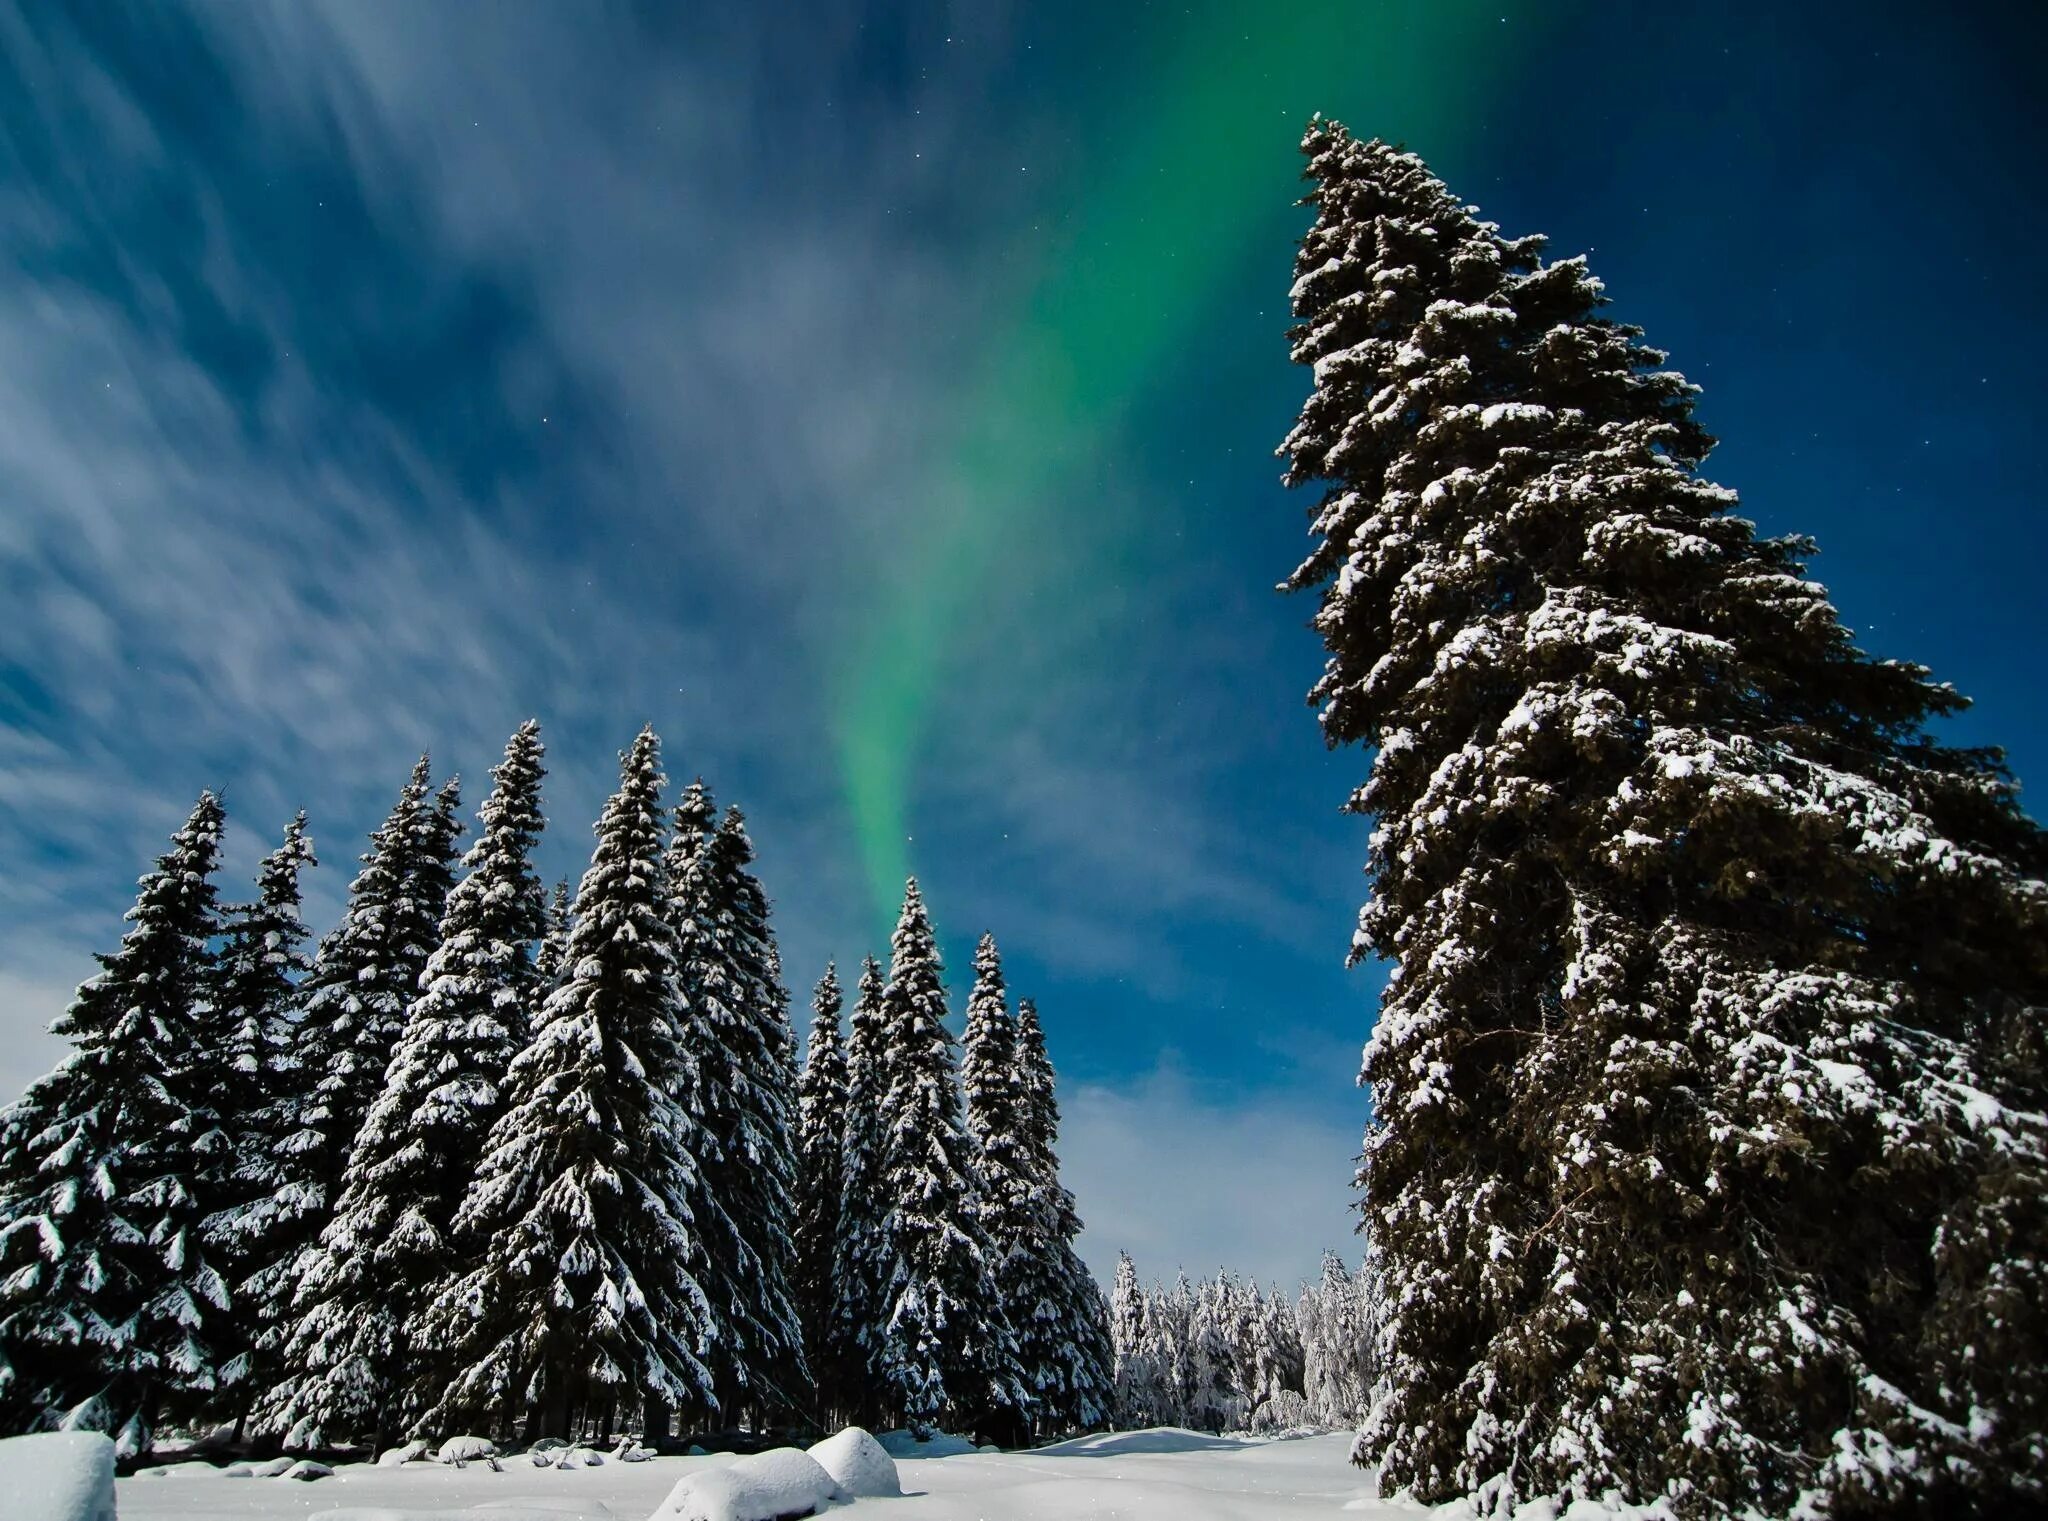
(410, 1452)
(503, 1510)
(59, 1476)
(940, 1444)
(461, 1449)
(498, 1510)
(193, 1468)
(783, 1481)
(858, 1463)
(308, 1470)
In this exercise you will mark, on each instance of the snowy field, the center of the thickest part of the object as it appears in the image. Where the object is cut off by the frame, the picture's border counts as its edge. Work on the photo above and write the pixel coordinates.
(1131, 1476)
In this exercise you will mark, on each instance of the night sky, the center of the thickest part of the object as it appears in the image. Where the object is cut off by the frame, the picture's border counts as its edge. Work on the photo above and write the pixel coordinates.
(881, 401)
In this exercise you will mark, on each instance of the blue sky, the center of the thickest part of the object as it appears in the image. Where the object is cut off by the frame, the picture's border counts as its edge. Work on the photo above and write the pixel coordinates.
(374, 378)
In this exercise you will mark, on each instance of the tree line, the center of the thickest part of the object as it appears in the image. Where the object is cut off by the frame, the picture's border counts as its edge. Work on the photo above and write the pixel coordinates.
(490, 1161)
(1224, 1355)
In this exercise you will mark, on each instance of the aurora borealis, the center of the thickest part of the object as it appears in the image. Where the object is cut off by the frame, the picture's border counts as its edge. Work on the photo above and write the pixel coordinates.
(1185, 202)
(883, 407)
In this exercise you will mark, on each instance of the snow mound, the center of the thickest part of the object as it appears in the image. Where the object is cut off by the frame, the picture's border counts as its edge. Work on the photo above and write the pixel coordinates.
(272, 1469)
(194, 1468)
(308, 1470)
(460, 1449)
(858, 1463)
(768, 1486)
(410, 1452)
(940, 1444)
(496, 1510)
(59, 1476)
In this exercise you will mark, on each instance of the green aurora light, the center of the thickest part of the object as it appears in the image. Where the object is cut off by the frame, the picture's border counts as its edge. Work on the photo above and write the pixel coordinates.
(1203, 159)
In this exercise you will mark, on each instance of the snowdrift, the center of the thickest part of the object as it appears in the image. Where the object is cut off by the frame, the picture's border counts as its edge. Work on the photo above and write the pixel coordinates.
(784, 1481)
(59, 1476)
(858, 1464)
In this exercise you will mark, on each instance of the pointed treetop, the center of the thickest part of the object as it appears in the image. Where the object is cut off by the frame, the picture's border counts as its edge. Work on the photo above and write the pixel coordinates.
(696, 809)
(827, 999)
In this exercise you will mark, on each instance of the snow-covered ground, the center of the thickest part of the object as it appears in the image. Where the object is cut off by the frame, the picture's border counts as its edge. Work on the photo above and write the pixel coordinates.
(1131, 1476)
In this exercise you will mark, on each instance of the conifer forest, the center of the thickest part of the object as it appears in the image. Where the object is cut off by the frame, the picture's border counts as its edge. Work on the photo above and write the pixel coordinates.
(1595, 1069)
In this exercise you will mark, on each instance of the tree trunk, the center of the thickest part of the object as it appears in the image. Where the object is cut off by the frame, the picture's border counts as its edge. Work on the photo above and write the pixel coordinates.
(554, 1410)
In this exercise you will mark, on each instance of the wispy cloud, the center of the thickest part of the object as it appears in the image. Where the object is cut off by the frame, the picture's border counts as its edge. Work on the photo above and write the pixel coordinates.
(1183, 1178)
(375, 380)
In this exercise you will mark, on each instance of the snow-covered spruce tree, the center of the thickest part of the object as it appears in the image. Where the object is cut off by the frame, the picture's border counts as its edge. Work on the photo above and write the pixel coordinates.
(1138, 1384)
(945, 1352)
(860, 1270)
(1708, 1157)
(584, 1292)
(778, 1376)
(255, 982)
(547, 961)
(255, 977)
(352, 1365)
(338, 1043)
(1170, 1325)
(1063, 1333)
(820, 1183)
(1278, 1366)
(737, 1029)
(992, 1088)
(1336, 1344)
(1213, 1402)
(108, 1301)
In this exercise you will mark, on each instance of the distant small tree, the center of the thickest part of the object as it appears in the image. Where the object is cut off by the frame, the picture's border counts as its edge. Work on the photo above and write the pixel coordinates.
(1336, 1344)
(547, 962)
(1139, 1386)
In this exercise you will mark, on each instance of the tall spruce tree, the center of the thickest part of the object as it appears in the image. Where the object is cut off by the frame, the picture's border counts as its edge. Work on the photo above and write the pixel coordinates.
(339, 1042)
(764, 1187)
(992, 1086)
(945, 1351)
(585, 1292)
(355, 1367)
(1063, 1327)
(860, 1269)
(820, 1183)
(108, 1299)
(1708, 1158)
(736, 1026)
(256, 975)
